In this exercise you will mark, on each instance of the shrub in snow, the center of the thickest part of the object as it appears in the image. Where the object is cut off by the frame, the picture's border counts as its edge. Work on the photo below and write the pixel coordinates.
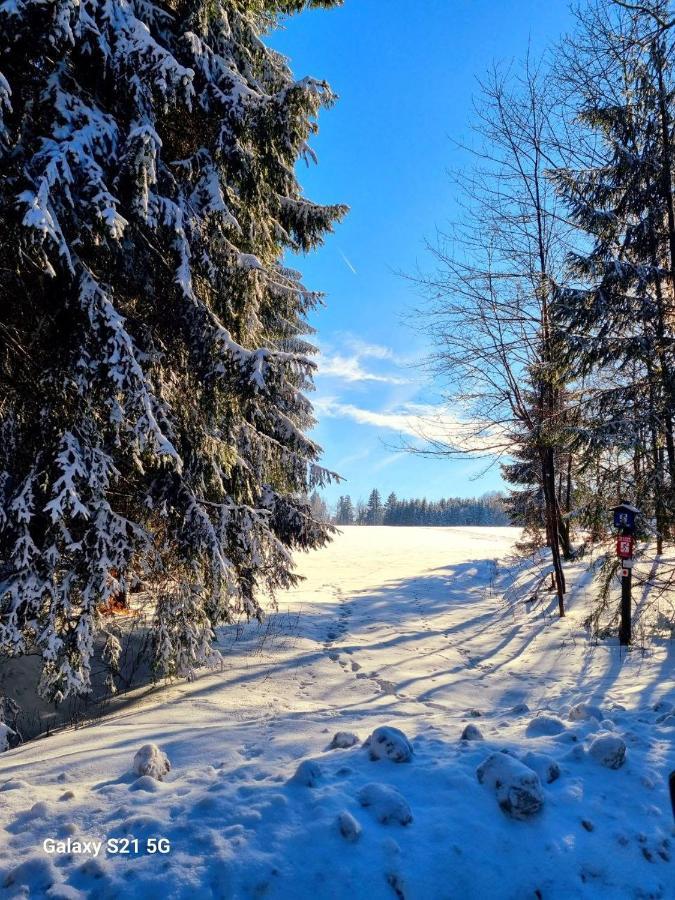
(342, 740)
(545, 726)
(390, 743)
(663, 706)
(518, 789)
(350, 829)
(545, 766)
(307, 774)
(387, 804)
(151, 761)
(475, 713)
(472, 733)
(5, 733)
(520, 709)
(609, 750)
(583, 711)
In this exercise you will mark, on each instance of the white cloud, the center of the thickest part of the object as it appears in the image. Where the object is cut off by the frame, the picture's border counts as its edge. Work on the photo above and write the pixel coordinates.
(418, 420)
(346, 363)
(367, 350)
(349, 368)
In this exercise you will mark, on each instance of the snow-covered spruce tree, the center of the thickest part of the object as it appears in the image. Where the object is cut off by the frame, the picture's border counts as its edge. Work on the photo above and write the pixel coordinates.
(617, 318)
(152, 360)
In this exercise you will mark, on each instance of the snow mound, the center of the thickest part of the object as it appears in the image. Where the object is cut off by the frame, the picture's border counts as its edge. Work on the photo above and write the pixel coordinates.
(581, 712)
(545, 766)
(151, 761)
(472, 733)
(350, 829)
(520, 709)
(147, 783)
(609, 750)
(308, 774)
(518, 788)
(14, 784)
(545, 726)
(342, 740)
(388, 805)
(39, 810)
(35, 874)
(390, 743)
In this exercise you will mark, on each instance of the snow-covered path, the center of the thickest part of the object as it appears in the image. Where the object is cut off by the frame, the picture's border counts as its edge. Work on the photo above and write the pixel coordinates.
(393, 626)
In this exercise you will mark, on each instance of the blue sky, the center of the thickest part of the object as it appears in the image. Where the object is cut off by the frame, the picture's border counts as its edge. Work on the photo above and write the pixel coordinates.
(406, 73)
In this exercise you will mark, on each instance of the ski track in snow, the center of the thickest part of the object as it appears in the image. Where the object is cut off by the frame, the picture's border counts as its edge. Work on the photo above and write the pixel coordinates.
(393, 626)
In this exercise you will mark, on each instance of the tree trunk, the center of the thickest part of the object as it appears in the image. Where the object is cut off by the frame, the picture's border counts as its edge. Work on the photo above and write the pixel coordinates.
(551, 514)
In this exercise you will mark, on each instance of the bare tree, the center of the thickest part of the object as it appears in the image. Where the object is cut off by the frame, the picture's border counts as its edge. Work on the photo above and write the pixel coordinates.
(488, 304)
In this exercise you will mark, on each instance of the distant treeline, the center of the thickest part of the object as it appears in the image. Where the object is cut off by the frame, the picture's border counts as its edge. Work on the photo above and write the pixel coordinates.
(486, 510)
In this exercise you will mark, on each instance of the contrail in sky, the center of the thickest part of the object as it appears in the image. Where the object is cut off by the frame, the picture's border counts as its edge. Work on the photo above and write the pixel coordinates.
(347, 263)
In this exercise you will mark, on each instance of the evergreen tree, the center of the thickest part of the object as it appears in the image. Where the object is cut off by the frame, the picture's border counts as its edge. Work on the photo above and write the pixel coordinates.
(490, 509)
(345, 511)
(390, 508)
(152, 360)
(618, 317)
(375, 514)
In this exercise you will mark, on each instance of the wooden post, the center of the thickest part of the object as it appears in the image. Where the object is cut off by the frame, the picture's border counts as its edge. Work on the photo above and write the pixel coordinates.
(625, 630)
(624, 519)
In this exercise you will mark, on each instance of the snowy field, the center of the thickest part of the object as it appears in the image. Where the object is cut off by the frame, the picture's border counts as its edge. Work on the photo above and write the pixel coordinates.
(412, 628)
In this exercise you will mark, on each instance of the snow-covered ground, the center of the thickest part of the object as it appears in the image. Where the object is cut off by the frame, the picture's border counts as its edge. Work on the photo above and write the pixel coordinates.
(410, 628)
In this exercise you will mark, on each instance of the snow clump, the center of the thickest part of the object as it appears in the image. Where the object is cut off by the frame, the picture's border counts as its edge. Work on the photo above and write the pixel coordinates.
(349, 827)
(584, 711)
(609, 750)
(387, 804)
(545, 726)
(342, 740)
(545, 766)
(518, 788)
(151, 761)
(390, 743)
(308, 774)
(472, 733)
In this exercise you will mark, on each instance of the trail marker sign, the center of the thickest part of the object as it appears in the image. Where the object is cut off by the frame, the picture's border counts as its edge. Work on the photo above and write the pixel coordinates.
(624, 546)
(624, 515)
